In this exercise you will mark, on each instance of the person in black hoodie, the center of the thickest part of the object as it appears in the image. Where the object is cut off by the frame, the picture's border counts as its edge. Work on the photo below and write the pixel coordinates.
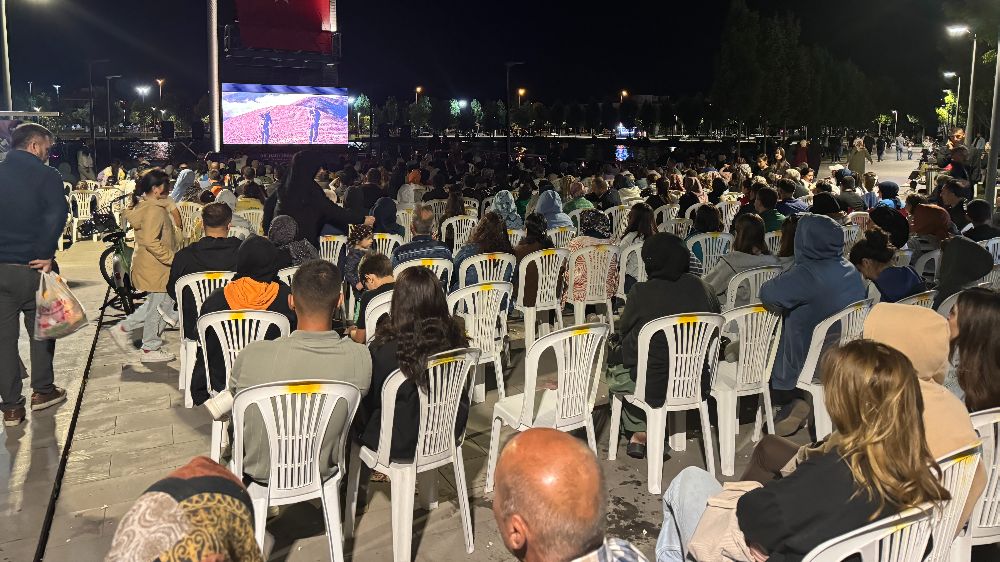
(963, 262)
(671, 289)
(255, 287)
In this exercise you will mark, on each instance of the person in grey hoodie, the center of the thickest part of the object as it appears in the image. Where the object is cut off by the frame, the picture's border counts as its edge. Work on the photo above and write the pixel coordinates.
(550, 206)
(819, 283)
(749, 251)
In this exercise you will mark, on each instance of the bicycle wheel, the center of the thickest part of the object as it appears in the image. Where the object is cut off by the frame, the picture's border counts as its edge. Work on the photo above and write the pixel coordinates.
(107, 265)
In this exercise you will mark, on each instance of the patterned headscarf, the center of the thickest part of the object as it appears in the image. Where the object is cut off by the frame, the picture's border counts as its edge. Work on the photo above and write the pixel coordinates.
(283, 232)
(595, 224)
(503, 205)
(358, 233)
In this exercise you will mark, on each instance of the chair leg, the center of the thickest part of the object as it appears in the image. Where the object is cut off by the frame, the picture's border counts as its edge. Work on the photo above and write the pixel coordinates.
(591, 434)
(478, 388)
(529, 327)
(403, 487)
(353, 482)
(427, 488)
(611, 315)
(706, 437)
(726, 410)
(258, 498)
(498, 369)
(769, 411)
(616, 420)
(462, 489)
(75, 224)
(656, 428)
(579, 313)
(824, 425)
(491, 464)
(678, 431)
(331, 509)
(961, 548)
(758, 421)
(217, 430)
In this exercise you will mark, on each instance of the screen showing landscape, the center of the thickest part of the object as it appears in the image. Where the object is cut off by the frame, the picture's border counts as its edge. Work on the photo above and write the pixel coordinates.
(265, 114)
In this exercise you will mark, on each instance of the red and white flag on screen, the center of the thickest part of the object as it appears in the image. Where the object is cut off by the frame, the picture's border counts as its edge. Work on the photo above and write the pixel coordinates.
(286, 25)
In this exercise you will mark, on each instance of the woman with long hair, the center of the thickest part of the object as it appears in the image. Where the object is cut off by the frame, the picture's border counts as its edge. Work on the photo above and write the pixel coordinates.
(535, 238)
(662, 195)
(641, 226)
(488, 237)
(749, 251)
(419, 326)
(975, 349)
(154, 253)
(694, 193)
(875, 466)
(706, 219)
(873, 256)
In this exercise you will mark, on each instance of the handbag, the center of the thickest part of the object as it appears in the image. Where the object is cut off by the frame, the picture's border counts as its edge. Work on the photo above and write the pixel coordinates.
(58, 313)
(718, 537)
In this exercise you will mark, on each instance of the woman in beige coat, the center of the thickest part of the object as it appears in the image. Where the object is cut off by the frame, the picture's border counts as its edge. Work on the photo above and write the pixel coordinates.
(154, 252)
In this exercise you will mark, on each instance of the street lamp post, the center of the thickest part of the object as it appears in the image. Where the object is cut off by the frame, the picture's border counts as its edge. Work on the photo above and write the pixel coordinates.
(108, 130)
(416, 94)
(509, 65)
(520, 94)
(991, 162)
(159, 82)
(895, 123)
(958, 30)
(57, 86)
(8, 101)
(143, 91)
(90, 82)
(624, 94)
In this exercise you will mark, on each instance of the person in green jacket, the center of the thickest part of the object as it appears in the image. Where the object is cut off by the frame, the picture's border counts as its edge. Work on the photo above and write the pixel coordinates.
(857, 157)
(767, 200)
(577, 199)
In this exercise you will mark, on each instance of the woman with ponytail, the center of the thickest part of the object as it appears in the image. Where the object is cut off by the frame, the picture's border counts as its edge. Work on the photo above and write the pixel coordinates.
(154, 252)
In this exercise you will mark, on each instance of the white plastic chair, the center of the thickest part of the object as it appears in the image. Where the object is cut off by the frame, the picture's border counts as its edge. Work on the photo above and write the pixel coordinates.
(234, 329)
(900, 538)
(486, 206)
(690, 211)
(404, 217)
(599, 261)
(438, 206)
(482, 307)
(851, 235)
(549, 265)
(490, 268)
(201, 285)
(515, 236)
(714, 245)
(287, 273)
(993, 245)
(630, 254)
(330, 247)
(984, 524)
(472, 203)
(256, 219)
(758, 330)
(925, 299)
(378, 307)
(579, 353)
(296, 417)
(561, 235)
(929, 272)
(807, 199)
(665, 213)
(84, 200)
(678, 227)
(619, 220)
(958, 468)
(461, 228)
(773, 241)
(859, 219)
(753, 279)
(385, 244)
(574, 216)
(440, 266)
(692, 344)
(944, 309)
(240, 232)
(852, 320)
(992, 279)
(437, 446)
(902, 258)
(728, 210)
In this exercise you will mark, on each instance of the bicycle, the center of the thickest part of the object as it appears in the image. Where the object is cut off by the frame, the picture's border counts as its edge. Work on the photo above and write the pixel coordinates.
(116, 260)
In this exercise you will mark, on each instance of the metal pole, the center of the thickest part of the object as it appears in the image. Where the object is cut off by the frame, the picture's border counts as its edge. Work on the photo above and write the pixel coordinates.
(213, 73)
(107, 131)
(969, 123)
(507, 112)
(958, 101)
(8, 101)
(991, 163)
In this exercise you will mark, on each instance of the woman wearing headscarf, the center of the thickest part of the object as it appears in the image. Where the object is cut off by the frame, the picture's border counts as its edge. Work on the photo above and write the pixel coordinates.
(291, 252)
(857, 157)
(229, 198)
(671, 289)
(928, 228)
(255, 287)
(185, 187)
(595, 230)
(301, 198)
(504, 205)
(543, 186)
(406, 194)
(550, 207)
(200, 512)
(384, 212)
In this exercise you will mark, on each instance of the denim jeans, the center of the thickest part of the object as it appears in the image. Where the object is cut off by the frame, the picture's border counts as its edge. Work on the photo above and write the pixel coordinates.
(149, 319)
(684, 503)
(18, 284)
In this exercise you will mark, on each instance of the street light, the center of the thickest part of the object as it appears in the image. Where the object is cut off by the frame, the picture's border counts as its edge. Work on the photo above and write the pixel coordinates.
(57, 86)
(958, 93)
(624, 95)
(159, 82)
(462, 104)
(520, 94)
(143, 91)
(895, 124)
(416, 93)
(958, 31)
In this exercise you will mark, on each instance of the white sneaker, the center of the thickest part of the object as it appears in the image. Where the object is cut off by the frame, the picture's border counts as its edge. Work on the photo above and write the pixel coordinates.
(122, 338)
(156, 356)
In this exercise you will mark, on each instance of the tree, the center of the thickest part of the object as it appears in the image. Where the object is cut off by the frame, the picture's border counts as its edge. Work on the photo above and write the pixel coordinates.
(523, 116)
(493, 117)
(440, 114)
(647, 118)
(627, 112)
(667, 117)
(420, 113)
(389, 113)
(609, 116)
(576, 119)
(477, 112)
(557, 116)
(540, 117)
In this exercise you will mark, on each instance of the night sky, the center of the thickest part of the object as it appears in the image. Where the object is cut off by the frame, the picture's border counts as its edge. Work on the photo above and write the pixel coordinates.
(457, 49)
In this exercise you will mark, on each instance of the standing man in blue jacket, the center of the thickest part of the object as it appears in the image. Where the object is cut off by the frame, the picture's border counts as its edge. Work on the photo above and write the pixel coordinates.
(35, 212)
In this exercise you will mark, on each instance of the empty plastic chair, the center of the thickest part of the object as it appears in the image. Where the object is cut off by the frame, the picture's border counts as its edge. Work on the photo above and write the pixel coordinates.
(482, 307)
(200, 285)
(925, 299)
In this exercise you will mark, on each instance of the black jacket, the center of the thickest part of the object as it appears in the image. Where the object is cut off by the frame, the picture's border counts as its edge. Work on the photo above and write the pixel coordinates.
(207, 254)
(35, 209)
(982, 232)
(372, 193)
(611, 198)
(315, 210)
(851, 200)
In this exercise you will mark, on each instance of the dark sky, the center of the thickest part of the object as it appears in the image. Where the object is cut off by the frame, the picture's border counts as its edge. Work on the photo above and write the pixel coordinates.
(573, 50)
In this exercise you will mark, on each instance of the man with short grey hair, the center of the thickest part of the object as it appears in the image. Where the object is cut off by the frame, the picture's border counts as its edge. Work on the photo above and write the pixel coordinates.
(34, 217)
(425, 244)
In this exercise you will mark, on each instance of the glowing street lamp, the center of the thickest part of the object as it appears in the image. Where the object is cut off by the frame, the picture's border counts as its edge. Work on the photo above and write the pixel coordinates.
(416, 93)
(959, 31)
(623, 96)
(159, 82)
(958, 92)
(462, 104)
(57, 86)
(143, 91)
(520, 94)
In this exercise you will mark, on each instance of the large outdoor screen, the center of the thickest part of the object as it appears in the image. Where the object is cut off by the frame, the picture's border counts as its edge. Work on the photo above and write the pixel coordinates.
(258, 114)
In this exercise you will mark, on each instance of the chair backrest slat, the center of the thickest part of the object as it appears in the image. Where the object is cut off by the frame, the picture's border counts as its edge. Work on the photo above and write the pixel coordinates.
(599, 261)
(692, 346)
(236, 329)
(549, 265)
(984, 525)
(201, 285)
(495, 267)
(440, 266)
(330, 247)
(713, 245)
(753, 280)
(958, 468)
(561, 235)
(378, 307)
(900, 538)
(481, 307)
(460, 227)
(758, 330)
(925, 299)
(385, 243)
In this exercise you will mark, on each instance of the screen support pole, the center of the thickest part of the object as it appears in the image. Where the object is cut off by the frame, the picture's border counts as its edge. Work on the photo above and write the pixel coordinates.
(213, 73)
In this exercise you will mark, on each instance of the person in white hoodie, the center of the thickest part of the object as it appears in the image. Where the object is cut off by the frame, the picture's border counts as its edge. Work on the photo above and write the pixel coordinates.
(749, 251)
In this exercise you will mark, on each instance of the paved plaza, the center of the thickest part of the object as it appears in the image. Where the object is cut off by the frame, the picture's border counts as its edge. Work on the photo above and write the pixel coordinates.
(133, 429)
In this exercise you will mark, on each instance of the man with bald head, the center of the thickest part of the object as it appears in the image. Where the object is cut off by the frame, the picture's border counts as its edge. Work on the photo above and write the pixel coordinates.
(550, 502)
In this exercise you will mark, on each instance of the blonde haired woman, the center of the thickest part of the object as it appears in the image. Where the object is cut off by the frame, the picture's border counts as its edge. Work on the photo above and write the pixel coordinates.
(875, 466)
(857, 157)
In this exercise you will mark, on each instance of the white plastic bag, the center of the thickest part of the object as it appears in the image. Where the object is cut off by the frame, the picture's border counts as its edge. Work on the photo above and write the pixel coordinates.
(58, 313)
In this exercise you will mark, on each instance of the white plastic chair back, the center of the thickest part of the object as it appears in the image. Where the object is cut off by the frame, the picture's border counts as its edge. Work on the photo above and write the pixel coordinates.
(486, 206)
(690, 211)
(404, 217)
(236, 329)
(84, 203)
(256, 219)
(490, 268)
(753, 279)
(561, 235)
(993, 245)
(992, 279)
(984, 524)
(692, 343)
(759, 330)
(330, 247)
(461, 228)
(472, 203)
(481, 307)
(958, 468)
(678, 227)
(714, 245)
(902, 258)
(378, 307)
(631, 254)
(860, 219)
(287, 273)
(574, 216)
(807, 199)
(515, 236)
(549, 264)
(598, 261)
(851, 235)
(106, 196)
(619, 220)
(944, 309)
(773, 241)
(438, 206)
(240, 232)
(928, 265)
(385, 243)
(201, 285)
(440, 266)
(728, 210)
(900, 538)
(666, 212)
(925, 299)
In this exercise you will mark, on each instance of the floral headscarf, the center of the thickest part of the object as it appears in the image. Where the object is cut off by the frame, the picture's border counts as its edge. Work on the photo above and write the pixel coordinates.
(283, 232)
(358, 233)
(595, 224)
(503, 205)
